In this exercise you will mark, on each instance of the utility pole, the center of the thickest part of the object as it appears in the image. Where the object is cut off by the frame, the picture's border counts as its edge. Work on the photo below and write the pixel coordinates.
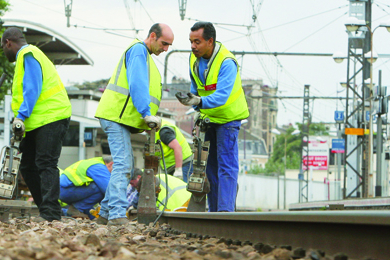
(305, 147)
(356, 165)
(182, 8)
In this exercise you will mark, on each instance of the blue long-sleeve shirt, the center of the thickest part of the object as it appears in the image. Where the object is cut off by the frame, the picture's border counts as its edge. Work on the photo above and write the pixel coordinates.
(138, 79)
(97, 172)
(32, 84)
(226, 78)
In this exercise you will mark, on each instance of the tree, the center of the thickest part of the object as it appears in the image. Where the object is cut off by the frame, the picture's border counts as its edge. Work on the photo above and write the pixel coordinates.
(6, 66)
(275, 164)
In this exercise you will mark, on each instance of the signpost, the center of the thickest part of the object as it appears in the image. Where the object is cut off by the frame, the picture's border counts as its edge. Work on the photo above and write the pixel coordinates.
(319, 153)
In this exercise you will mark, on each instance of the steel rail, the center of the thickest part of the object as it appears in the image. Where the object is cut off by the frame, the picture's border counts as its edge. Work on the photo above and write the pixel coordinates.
(356, 233)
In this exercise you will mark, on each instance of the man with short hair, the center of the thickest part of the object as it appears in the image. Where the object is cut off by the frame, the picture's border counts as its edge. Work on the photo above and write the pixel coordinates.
(129, 105)
(41, 106)
(84, 184)
(216, 92)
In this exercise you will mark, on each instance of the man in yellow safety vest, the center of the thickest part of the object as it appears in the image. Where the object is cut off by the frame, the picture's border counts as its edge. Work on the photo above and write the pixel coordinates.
(42, 108)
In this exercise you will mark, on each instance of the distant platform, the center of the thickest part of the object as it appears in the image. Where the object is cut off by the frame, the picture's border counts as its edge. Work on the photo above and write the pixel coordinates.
(348, 204)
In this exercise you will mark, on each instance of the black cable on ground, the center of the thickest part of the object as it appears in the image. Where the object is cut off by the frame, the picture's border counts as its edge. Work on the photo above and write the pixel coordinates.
(166, 184)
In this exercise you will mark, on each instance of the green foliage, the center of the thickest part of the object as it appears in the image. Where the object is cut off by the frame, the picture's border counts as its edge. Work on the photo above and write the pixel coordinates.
(292, 144)
(5, 67)
(93, 85)
(315, 129)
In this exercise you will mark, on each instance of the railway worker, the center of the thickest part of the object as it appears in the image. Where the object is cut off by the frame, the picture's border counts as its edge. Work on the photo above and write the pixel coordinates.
(129, 105)
(84, 184)
(177, 151)
(41, 106)
(217, 93)
(178, 196)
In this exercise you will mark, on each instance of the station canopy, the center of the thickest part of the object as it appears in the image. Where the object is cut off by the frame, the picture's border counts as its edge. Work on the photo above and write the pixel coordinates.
(59, 49)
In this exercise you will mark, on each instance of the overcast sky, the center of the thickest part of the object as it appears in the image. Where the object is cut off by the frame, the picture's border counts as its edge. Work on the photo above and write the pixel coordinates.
(310, 26)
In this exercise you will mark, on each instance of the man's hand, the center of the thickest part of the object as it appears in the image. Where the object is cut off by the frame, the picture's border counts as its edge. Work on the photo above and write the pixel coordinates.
(191, 100)
(153, 121)
(18, 127)
(178, 171)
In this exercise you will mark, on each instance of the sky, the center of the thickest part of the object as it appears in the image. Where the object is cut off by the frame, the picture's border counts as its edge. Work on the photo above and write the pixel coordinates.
(304, 26)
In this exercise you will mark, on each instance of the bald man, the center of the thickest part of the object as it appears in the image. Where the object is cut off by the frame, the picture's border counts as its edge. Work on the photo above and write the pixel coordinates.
(129, 105)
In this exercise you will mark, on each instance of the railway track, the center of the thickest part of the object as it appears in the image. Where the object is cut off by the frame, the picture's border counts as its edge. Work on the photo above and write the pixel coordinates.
(357, 234)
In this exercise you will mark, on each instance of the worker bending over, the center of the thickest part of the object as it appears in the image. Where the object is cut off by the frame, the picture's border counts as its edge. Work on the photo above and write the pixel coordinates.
(178, 197)
(216, 92)
(84, 184)
(128, 106)
(177, 151)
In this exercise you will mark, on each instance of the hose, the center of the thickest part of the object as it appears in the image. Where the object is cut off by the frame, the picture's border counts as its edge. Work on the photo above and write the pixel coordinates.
(166, 181)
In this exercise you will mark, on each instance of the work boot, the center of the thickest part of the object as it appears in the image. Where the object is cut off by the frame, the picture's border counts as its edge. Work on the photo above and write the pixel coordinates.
(75, 213)
(118, 222)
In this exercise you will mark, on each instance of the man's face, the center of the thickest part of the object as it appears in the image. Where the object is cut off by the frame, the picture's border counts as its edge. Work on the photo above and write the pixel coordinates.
(5, 45)
(199, 46)
(109, 166)
(134, 183)
(161, 44)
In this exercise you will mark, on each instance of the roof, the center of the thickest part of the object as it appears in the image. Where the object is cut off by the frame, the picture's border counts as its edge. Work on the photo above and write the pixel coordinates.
(59, 49)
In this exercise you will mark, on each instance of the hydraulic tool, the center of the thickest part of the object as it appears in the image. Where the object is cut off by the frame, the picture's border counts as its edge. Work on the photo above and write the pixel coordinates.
(9, 172)
(198, 183)
(146, 211)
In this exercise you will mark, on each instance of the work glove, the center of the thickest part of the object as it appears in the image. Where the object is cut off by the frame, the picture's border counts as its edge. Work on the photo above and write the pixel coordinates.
(178, 172)
(191, 100)
(153, 121)
(18, 127)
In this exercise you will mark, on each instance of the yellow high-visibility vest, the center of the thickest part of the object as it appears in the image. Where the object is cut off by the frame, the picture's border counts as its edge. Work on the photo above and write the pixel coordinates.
(53, 103)
(236, 107)
(116, 104)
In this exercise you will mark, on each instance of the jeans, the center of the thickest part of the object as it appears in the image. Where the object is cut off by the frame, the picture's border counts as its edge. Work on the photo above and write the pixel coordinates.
(187, 169)
(82, 198)
(115, 203)
(222, 165)
(41, 149)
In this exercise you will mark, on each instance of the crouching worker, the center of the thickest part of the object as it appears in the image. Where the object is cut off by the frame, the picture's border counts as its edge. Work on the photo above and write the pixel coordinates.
(84, 184)
(178, 196)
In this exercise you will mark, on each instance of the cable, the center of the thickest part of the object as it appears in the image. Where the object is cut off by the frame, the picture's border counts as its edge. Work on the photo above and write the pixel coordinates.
(301, 19)
(315, 31)
(166, 183)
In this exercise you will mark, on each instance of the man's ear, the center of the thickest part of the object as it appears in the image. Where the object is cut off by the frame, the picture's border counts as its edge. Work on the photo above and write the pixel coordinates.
(210, 41)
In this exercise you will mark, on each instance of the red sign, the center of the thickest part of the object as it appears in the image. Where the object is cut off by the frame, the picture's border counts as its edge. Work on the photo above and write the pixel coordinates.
(318, 162)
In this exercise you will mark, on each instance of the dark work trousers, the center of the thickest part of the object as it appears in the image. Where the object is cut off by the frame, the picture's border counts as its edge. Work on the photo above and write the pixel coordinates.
(41, 149)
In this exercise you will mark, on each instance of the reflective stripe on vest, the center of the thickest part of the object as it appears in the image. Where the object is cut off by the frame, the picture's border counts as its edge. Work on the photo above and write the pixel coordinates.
(177, 193)
(116, 103)
(169, 154)
(236, 107)
(126, 92)
(77, 172)
(53, 103)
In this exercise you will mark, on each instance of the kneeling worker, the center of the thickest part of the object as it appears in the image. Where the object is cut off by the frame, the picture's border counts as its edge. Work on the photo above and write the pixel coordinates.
(177, 151)
(178, 196)
(84, 183)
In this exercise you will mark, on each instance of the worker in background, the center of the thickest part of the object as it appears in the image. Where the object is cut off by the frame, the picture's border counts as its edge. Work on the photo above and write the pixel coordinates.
(217, 93)
(178, 196)
(177, 151)
(41, 106)
(129, 105)
(84, 184)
